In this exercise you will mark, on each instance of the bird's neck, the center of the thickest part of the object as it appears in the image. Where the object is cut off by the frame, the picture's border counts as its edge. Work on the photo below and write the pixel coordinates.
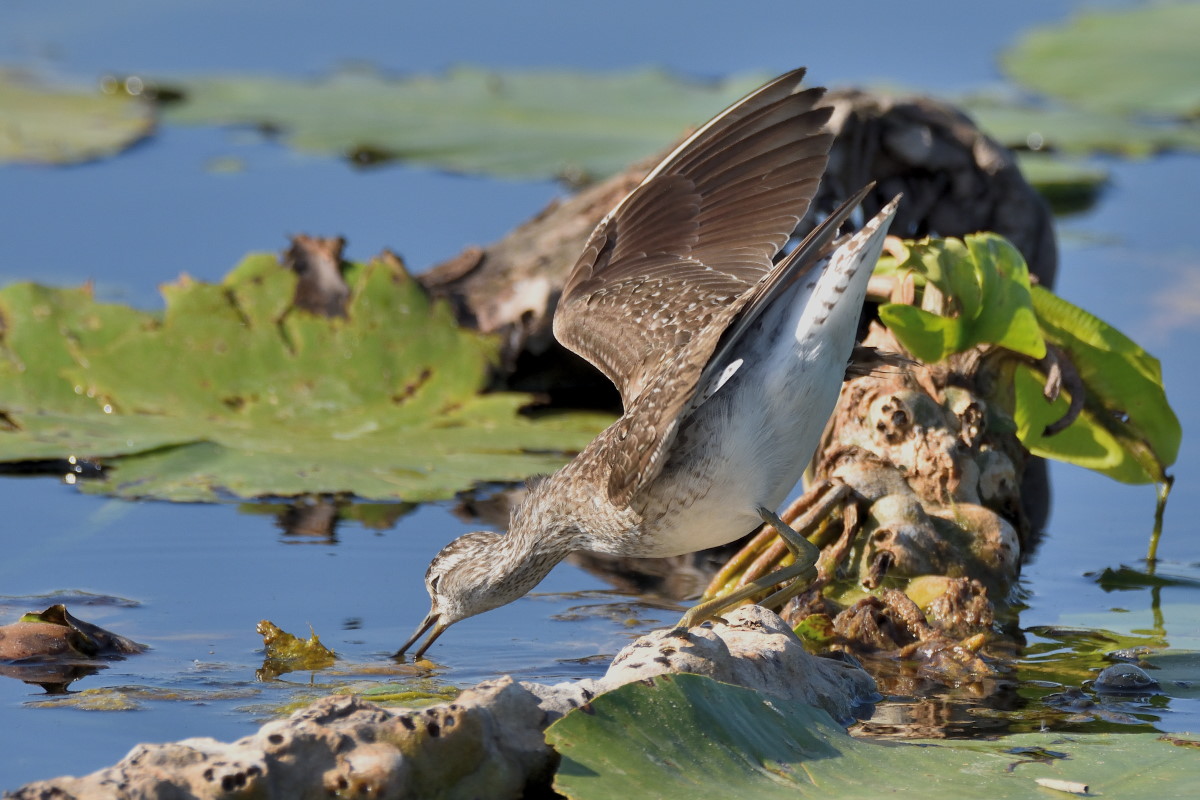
(538, 538)
(545, 524)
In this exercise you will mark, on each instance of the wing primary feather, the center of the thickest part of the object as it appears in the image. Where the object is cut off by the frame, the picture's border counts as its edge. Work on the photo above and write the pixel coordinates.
(784, 85)
(787, 272)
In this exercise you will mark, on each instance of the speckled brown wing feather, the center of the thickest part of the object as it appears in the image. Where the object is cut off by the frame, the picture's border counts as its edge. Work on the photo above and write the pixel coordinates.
(666, 272)
(647, 428)
(696, 234)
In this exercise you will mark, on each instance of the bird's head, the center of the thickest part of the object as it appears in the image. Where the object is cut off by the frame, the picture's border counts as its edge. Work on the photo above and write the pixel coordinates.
(480, 571)
(460, 585)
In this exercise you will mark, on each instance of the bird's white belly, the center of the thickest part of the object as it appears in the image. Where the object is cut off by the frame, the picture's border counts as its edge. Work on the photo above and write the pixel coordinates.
(715, 498)
(748, 445)
(705, 513)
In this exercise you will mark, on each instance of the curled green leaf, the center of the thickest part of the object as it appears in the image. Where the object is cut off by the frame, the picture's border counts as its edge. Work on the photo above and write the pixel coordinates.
(977, 292)
(1127, 429)
(982, 297)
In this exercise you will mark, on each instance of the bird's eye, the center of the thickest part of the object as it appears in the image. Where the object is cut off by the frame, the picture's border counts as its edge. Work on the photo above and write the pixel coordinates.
(433, 582)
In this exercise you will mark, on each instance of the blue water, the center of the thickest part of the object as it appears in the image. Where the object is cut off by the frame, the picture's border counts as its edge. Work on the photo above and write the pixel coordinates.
(202, 576)
(139, 220)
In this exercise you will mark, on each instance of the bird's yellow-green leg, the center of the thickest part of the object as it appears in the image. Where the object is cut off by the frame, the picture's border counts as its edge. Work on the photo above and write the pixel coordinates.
(804, 553)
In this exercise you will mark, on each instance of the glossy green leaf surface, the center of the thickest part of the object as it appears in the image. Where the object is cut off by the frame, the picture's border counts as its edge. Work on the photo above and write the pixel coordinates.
(977, 291)
(693, 738)
(232, 392)
(987, 286)
(1127, 429)
(1085, 442)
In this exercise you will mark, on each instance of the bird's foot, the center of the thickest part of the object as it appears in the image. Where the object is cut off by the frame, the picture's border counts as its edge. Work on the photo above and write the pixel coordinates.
(794, 578)
(708, 611)
(803, 551)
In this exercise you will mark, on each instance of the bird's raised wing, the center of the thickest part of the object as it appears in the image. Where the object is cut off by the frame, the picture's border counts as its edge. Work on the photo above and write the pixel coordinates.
(700, 231)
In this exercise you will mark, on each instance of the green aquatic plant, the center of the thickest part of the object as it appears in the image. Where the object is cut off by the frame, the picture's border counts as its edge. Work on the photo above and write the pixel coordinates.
(1112, 416)
(1140, 60)
(233, 392)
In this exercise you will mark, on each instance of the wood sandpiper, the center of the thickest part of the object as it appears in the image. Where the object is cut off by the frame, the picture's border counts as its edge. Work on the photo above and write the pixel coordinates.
(728, 362)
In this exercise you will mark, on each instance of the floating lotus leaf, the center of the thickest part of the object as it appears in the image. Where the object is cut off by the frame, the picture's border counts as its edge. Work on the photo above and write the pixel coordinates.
(56, 125)
(691, 737)
(1142, 60)
(232, 392)
(1020, 124)
(543, 124)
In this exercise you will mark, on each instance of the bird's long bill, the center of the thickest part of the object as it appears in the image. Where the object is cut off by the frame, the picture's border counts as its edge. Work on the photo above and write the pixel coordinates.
(432, 620)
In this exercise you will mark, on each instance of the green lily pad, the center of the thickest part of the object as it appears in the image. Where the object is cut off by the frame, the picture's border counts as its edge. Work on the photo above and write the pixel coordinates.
(231, 391)
(522, 124)
(55, 125)
(1130, 61)
(527, 124)
(1070, 186)
(691, 737)
(1074, 131)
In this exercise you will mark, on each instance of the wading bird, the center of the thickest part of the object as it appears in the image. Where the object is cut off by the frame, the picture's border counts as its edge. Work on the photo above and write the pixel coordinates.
(728, 361)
